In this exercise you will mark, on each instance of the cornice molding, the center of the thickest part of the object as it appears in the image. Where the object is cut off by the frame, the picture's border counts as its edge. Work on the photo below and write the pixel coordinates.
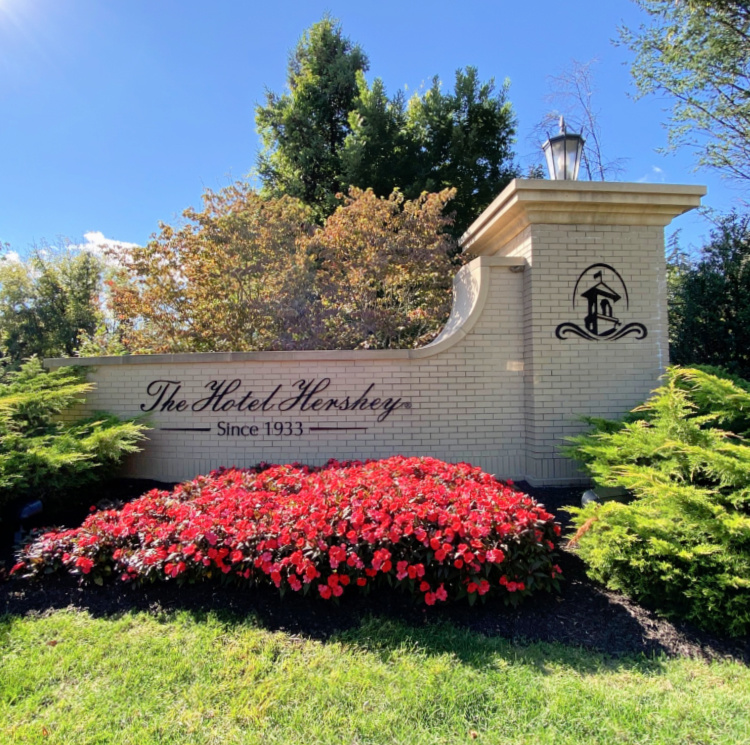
(527, 202)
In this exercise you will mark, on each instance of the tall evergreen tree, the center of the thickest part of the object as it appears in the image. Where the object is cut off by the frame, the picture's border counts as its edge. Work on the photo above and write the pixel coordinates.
(303, 131)
(465, 140)
(709, 312)
(380, 152)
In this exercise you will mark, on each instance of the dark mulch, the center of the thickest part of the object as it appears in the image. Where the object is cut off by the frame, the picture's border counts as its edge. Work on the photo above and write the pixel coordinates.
(584, 614)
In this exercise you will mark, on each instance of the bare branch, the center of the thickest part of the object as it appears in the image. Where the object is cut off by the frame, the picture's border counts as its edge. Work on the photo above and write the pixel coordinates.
(573, 92)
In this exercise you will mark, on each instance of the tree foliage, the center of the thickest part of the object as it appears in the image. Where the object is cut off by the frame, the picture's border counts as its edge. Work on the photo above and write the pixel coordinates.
(682, 545)
(303, 131)
(253, 273)
(235, 277)
(697, 52)
(44, 457)
(47, 302)
(384, 272)
(380, 150)
(465, 142)
(709, 311)
(333, 130)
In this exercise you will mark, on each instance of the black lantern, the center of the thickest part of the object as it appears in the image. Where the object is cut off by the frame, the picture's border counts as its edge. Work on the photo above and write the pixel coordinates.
(563, 153)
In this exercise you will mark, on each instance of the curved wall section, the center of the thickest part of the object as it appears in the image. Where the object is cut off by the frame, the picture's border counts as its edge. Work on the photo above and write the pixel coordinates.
(459, 398)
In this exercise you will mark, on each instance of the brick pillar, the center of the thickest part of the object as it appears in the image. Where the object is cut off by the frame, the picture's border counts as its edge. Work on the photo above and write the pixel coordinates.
(595, 311)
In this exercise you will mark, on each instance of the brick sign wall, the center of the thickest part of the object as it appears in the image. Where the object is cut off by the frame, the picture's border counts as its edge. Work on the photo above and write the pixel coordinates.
(563, 314)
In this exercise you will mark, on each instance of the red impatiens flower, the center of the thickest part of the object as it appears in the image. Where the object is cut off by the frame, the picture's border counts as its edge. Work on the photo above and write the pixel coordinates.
(211, 538)
(173, 570)
(495, 556)
(84, 564)
(342, 526)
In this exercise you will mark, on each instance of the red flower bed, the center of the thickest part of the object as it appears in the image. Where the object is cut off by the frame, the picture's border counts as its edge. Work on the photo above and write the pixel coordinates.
(438, 530)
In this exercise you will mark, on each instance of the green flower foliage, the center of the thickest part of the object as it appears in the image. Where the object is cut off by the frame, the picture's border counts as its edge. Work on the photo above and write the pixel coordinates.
(682, 545)
(42, 456)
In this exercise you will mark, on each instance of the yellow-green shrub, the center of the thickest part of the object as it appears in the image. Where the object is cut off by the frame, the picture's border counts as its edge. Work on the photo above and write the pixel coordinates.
(43, 457)
(682, 545)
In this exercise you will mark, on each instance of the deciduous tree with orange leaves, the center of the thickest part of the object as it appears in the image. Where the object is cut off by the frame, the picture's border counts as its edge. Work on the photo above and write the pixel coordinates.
(384, 270)
(251, 273)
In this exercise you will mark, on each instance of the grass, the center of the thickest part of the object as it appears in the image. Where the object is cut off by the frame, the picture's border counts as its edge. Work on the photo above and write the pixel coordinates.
(180, 678)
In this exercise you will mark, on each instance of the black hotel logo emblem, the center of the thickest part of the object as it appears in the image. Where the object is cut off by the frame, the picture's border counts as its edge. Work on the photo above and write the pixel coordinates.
(602, 287)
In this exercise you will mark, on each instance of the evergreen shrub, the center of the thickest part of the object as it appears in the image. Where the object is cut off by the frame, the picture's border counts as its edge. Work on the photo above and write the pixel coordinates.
(682, 544)
(43, 457)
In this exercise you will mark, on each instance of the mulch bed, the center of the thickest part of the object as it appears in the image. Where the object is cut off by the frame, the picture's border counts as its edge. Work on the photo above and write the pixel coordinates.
(584, 614)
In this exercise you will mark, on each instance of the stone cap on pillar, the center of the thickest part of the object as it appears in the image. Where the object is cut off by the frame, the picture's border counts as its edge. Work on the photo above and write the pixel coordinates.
(537, 201)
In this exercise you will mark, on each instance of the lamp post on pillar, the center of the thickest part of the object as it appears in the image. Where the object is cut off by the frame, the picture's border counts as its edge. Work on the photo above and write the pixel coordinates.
(563, 153)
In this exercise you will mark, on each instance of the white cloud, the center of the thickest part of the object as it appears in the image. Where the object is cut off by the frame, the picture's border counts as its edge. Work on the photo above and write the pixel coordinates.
(97, 243)
(654, 176)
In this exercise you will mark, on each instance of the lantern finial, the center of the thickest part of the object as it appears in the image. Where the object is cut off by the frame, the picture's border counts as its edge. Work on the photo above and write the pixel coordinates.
(563, 153)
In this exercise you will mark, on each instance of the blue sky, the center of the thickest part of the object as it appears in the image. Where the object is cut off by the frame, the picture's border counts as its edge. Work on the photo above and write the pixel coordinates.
(117, 114)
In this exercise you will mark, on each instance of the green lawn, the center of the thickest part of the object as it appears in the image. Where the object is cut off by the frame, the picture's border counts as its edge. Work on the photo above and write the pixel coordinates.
(71, 678)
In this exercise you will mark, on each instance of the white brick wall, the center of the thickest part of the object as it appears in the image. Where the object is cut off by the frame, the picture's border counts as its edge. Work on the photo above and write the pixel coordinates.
(466, 401)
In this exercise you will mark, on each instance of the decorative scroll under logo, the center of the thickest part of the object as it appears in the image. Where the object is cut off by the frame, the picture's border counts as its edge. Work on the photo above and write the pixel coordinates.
(600, 323)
